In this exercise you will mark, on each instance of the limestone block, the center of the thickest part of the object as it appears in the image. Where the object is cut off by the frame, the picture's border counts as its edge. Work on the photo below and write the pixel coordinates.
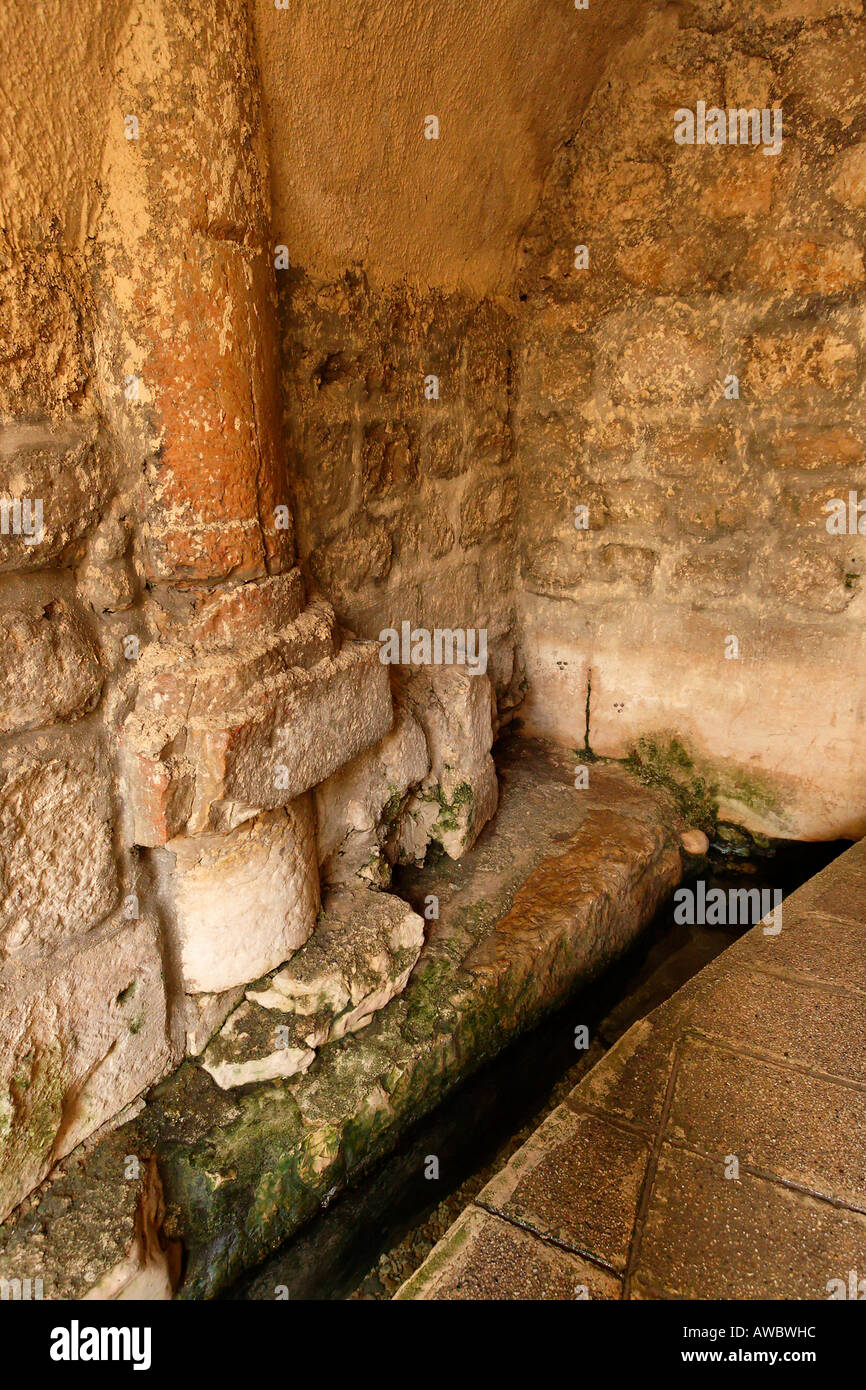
(204, 1014)
(489, 508)
(358, 806)
(800, 365)
(63, 474)
(207, 748)
(825, 77)
(257, 1045)
(455, 711)
(292, 732)
(360, 956)
(58, 876)
(361, 552)
(81, 1035)
(807, 447)
(658, 358)
(442, 450)
(50, 669)
(633, 564)
(180, 683)
(809, 575)
(849, 182)
(744, 186)
(710, 571)
(792, 265)
(240, 904)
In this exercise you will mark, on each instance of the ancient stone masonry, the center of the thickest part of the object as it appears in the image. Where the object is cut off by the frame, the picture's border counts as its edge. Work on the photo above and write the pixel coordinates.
(688, 402)
(342, 422)
(187, 732)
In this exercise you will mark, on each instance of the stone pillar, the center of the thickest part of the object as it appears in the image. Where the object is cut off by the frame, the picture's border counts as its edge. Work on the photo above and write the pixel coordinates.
(189, 367)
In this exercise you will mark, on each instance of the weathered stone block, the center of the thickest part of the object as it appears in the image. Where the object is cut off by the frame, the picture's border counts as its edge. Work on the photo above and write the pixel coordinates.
(461, 792)
(783, 11)
(388, 460)
(824, 78)
(327, 468)
(43, 290)
(240, 904)
(361, 552)
(849, 182)
(58, 875)
(488, 509)
(810, 576)
(744, 186)
(204, 1014)
(556, 372)
(81, 1035)
(259, 607)
(748, 82)
(808, 447)
(793, 265)
(659, 358)
(360, 956)
(809, 503)
(638, 502)
(442, 450)
(292, 733)
(630, 189)
(50, 669)
(710, 572)
(357, 808)
(422, 532)
(554, 565)
(799, 364)
(208, 761)
(488, 438)
(632, 564)
(106, 578)
(670, 263)
(64, 473)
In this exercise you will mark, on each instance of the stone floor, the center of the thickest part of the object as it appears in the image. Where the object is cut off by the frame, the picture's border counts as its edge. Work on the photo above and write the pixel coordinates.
(558, 886)
(717, 1152)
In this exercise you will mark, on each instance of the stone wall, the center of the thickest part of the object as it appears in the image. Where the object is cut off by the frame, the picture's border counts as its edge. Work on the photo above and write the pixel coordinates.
(175, 702)
(398, 423)
(240, 436)
(706, 517)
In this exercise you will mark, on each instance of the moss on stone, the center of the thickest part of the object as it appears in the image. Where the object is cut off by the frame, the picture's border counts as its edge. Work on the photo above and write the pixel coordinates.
(698, 786)
(667, 763)
(456, 812)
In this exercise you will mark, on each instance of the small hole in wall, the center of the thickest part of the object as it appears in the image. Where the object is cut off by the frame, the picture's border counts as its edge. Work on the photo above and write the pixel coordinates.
(126, 994)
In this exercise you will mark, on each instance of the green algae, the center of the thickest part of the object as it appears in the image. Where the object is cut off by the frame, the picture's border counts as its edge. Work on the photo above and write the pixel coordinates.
(667, 764)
